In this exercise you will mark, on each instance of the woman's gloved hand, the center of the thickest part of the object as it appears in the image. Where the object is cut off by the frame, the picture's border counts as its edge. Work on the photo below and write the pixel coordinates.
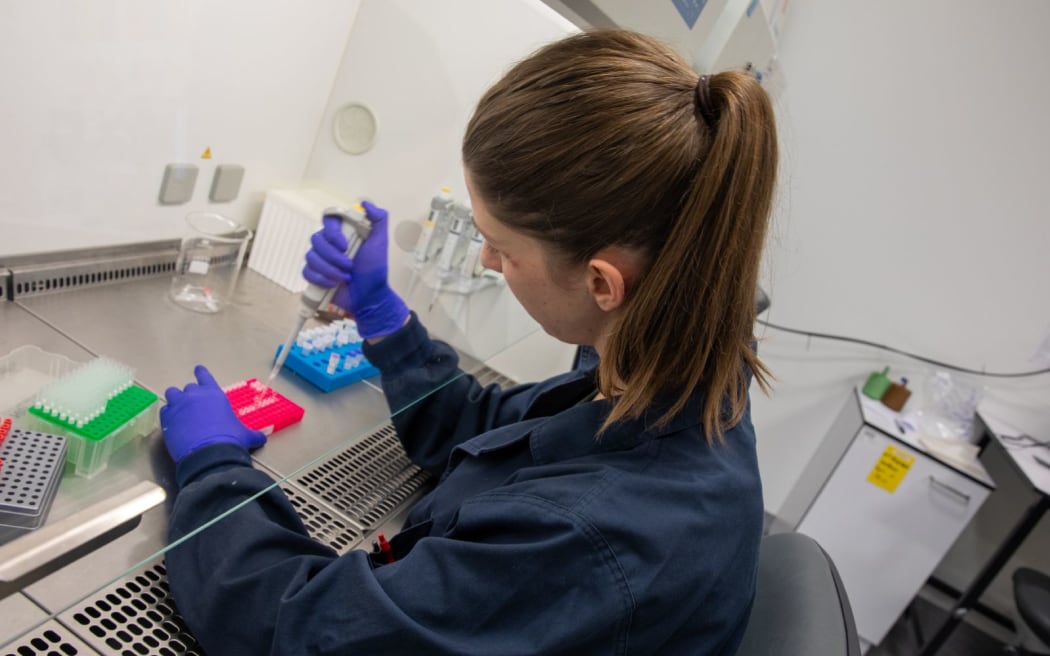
(362, 287)
(200, 415)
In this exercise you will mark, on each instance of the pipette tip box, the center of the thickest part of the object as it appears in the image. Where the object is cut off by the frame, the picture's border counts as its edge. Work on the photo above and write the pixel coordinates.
(128, 415)
(29, 478)
(316, 366)
(261, 408)
(28, 370)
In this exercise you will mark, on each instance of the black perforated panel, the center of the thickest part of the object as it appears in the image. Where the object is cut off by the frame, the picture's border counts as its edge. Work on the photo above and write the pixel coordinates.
(322, 525)
(134, 616)
(30, 475)
(367, 480)
(51, 639)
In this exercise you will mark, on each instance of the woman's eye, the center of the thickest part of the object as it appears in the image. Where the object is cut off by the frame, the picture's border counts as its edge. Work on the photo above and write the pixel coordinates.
(492, 250)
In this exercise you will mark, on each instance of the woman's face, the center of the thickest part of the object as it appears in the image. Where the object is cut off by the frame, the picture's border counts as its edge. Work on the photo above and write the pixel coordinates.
(557, 297)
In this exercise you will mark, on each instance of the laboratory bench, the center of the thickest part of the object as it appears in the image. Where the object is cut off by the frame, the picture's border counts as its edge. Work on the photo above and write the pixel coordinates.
(104, 590)
(1030, 464)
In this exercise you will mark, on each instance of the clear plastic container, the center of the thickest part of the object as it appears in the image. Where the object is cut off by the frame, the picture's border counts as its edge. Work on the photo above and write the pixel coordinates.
(24, 371)
(209, 263)
(27, 369)
(131, 414)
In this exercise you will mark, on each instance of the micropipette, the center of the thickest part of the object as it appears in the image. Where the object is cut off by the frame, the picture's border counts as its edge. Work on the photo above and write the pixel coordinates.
(356, 229)
(460, 220)
(436, 222)
(469, 267)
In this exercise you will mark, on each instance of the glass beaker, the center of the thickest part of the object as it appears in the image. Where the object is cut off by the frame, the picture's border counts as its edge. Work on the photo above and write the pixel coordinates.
(209, 261)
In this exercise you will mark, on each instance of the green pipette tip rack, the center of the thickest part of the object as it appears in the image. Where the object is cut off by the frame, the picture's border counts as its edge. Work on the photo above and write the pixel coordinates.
(121, 409)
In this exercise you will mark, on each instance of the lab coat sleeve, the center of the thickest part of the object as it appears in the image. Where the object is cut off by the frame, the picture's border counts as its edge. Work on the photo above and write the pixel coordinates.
(435, 405)
(514, 574)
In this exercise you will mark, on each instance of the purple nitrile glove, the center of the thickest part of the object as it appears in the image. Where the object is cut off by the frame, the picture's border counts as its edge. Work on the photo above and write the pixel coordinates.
(362, 287)
(200, 415)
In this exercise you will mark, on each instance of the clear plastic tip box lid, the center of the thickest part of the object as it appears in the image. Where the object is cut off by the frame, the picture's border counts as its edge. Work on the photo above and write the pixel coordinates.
(98, 414)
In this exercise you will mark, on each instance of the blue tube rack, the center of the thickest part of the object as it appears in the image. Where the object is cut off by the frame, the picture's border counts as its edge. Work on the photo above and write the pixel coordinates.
(314, 366)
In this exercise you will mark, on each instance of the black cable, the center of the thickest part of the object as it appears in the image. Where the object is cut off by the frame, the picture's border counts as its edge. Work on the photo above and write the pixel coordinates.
(1025, 441)
(938, 363)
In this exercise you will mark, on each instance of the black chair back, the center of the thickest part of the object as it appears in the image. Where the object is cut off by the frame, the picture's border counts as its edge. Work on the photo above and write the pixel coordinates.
(801, 607)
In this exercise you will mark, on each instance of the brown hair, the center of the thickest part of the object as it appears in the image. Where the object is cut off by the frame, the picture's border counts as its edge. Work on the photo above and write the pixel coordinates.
(605, 138)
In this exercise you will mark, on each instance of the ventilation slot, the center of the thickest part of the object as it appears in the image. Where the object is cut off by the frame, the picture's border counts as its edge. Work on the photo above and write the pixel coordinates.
(137, 615)
(489, 376)
(134, 616)
(322, 525)
(92, 270)
(45, 285)
(50, 639)
(368, 480)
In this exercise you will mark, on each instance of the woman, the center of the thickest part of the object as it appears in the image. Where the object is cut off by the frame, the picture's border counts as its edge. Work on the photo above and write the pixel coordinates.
(606, 511)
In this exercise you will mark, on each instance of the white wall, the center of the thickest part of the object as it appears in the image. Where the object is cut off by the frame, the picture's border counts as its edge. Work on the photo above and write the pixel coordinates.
(421, 67)
(914, 208)
(660, 19)
(98, 97)
(913, 213)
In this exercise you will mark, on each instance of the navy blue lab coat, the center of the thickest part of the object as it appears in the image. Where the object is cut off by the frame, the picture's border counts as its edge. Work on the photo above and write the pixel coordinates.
(538, 539)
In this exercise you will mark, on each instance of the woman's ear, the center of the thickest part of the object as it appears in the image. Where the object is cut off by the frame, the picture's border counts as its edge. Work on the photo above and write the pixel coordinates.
(606, 284)
(612, 274)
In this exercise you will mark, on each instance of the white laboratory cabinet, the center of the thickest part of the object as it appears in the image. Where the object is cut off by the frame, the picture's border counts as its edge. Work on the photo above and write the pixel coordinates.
(884, 508)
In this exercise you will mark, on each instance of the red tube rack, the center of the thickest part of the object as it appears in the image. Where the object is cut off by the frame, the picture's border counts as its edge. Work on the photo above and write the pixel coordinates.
(261, 408)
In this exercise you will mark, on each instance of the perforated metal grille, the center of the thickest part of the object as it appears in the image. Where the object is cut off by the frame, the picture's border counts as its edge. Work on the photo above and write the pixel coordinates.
(51, 639)
(488, 376)
(137, 615)
(50, 273)
(367, 480)
(134, 616)
(43, 283)
(322, 525)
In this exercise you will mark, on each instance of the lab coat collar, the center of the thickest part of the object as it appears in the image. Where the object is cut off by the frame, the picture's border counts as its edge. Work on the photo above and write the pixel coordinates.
(557, 430)
(573, 432)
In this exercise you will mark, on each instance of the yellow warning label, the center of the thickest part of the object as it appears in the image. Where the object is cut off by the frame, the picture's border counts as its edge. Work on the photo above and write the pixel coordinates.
(890, 470)
(207, 154)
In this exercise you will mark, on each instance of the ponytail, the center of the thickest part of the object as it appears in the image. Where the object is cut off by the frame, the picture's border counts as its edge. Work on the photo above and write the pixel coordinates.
(606, 138)
(694, 311)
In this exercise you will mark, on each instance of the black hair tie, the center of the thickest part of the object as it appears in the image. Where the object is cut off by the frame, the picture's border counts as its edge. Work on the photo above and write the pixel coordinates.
(703, 101)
